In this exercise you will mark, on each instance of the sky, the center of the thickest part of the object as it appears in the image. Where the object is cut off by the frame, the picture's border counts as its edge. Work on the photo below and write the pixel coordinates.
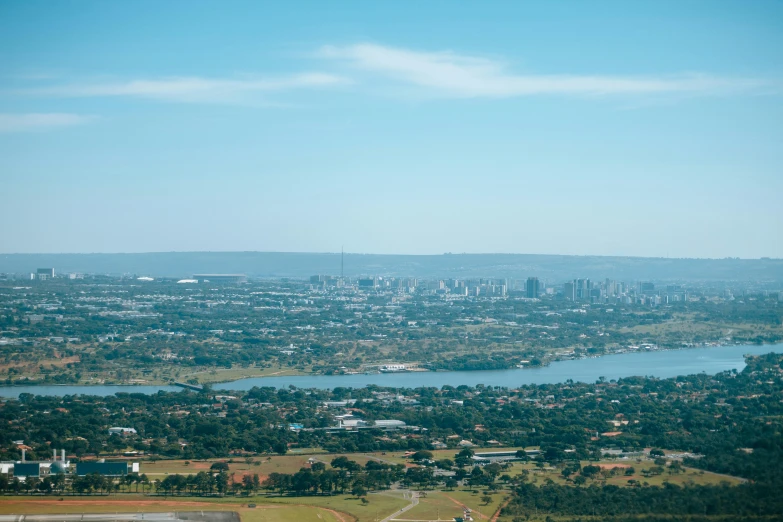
(554, 127)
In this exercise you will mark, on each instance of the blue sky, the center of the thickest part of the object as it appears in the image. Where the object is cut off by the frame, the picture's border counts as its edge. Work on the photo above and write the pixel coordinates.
(610, 128)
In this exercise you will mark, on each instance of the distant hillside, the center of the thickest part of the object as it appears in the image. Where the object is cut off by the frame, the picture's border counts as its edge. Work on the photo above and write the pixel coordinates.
(300, 265)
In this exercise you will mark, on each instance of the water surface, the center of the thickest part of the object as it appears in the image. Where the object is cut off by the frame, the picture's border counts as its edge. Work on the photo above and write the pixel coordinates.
(660, 364)
(664, 363)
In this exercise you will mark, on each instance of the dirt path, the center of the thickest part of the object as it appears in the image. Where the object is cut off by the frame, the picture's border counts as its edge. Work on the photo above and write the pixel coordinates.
(463, 506)
(340, 516)
(500, 508)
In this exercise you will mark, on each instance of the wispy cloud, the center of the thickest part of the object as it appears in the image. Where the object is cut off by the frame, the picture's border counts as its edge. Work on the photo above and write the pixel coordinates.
(455, 75)
(30, 122)
(190, 89)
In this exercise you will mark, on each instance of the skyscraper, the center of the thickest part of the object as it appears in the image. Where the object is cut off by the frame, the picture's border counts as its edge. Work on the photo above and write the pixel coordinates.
(569, 290)
(583, 287)
(532, 287)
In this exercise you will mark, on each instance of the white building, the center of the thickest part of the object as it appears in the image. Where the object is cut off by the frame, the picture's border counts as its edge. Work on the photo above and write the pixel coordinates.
(389, 424)
(394, 368)
(122, 431)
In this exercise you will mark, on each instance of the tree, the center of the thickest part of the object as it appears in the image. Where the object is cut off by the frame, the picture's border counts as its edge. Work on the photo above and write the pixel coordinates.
(477, 477)
(466, 452)
(486, 499)
(521, 454)
(590, 471)
(219, 466)
(421, 455)
(464, 458)
(444, 464)
(247, 484)
(342, 462)
(554, 455)
(493, 470)
(221, 482)
(358, 490)
(421, 476)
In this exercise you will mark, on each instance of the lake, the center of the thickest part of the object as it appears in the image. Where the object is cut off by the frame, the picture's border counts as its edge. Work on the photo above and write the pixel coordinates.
(661, 364)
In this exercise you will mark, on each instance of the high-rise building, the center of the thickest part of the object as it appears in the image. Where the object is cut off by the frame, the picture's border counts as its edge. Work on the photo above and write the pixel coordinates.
(646, 288)
(532, 288)
(583, 287)
(569, 291)
(368, 282)
(44, 273)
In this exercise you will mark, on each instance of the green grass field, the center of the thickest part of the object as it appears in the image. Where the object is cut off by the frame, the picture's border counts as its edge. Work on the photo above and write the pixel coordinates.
(445, 505)
(234, 374)
(379, 506)
(260, 465)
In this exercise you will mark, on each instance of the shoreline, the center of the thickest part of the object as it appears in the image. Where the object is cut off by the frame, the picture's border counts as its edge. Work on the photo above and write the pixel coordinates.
(273, 380)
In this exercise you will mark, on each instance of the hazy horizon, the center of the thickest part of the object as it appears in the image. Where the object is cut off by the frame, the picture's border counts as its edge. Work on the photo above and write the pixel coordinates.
(346, 252)
(766, 272)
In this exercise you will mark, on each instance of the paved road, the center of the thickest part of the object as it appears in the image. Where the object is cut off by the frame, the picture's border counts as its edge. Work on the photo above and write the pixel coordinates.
(180, 516)
(407, 494)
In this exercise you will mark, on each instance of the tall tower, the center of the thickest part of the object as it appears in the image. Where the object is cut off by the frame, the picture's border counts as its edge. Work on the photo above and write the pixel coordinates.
(342, 263)
(532, 287)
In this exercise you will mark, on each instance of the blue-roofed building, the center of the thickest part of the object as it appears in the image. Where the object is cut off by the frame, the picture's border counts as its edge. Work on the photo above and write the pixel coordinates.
(27, 469)
(106, 469)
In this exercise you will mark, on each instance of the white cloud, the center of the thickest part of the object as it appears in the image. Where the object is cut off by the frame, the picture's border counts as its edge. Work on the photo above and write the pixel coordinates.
(40, 121)
(454, 75)
(191, 89)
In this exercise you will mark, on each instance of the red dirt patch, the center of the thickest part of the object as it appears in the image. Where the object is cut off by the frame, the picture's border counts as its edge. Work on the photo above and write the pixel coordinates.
(500, 508)
(613, 466)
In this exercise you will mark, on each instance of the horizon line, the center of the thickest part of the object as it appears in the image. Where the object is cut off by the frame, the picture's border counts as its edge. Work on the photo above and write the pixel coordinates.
(761, 258)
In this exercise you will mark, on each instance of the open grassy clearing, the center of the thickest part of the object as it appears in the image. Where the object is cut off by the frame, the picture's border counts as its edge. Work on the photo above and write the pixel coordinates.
(445, 505)
(379, 505)
(540, 476)
(260, 465)
(687, 326)
(234, 374)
